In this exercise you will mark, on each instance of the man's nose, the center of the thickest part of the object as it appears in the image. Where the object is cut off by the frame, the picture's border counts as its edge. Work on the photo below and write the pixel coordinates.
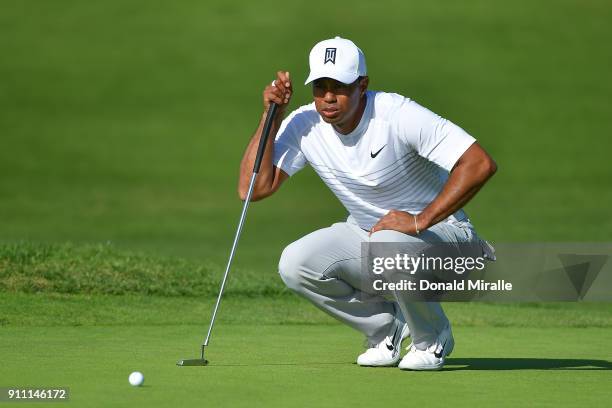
(329, 96)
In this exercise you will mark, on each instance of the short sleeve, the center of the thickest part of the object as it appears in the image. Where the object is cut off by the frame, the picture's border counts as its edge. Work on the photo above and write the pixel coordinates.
(433, 137)
(288, 154)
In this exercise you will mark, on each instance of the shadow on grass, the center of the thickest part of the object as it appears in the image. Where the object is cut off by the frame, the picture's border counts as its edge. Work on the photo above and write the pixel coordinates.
(277, 364)
(492, 364)
(495, 364)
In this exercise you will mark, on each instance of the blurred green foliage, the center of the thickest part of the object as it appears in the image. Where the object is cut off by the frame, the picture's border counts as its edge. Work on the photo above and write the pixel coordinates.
(125, 121)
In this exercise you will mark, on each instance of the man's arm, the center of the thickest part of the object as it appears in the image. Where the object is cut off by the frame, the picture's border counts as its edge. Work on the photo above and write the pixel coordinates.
(270, 177)
(469, 174)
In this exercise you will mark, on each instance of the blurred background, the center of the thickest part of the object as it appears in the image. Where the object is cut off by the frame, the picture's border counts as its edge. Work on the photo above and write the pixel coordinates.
(125, 121)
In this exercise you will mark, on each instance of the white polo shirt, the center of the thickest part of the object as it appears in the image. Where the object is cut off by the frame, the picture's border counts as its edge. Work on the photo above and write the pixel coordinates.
(398, 157)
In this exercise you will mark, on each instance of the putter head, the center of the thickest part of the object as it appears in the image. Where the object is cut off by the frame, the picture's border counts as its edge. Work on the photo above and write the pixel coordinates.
(192, 362)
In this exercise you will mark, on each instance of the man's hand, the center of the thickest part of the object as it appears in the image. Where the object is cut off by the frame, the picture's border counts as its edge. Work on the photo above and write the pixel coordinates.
(269, 177)
(279, 92)
(400, 221)
(470, 173)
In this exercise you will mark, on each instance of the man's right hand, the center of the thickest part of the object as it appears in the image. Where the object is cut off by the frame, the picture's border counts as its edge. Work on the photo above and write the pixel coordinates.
(279, 92)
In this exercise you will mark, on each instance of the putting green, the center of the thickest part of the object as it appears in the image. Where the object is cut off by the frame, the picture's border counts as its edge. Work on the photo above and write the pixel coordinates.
(305, 365)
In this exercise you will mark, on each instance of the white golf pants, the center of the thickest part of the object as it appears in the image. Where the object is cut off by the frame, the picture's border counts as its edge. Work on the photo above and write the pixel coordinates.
(325, 267)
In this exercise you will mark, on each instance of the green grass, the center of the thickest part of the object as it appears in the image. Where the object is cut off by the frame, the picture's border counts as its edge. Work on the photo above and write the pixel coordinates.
(19, 309)
(102, 269)
(122, 124)
(266, 346)
(272, 365)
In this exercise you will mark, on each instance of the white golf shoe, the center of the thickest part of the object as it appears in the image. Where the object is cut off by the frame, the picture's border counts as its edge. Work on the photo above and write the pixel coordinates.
(387, 352)
(431, 358)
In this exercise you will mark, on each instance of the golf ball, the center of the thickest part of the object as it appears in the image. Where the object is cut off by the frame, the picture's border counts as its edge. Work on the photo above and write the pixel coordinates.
(136, 378)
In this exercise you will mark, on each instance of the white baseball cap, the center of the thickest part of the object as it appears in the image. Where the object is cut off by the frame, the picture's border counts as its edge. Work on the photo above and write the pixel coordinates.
(336, 58)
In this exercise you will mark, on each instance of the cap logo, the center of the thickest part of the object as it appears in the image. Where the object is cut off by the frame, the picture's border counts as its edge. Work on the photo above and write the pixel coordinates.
(330, 56)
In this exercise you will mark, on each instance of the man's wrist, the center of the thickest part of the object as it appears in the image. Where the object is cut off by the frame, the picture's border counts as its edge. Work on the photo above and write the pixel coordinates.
(423, 221)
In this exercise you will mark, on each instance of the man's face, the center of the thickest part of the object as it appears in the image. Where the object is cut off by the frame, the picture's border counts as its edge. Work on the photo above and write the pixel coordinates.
(336, 102)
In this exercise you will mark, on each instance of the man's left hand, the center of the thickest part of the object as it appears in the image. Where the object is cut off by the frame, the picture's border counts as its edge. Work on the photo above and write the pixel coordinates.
(400, 221)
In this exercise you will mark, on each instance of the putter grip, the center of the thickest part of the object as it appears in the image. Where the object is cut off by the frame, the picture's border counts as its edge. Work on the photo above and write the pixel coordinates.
(264, 136)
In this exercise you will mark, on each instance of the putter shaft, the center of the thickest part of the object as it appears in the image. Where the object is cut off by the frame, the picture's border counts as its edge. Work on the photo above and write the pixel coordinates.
(231, 257)
(247, 200)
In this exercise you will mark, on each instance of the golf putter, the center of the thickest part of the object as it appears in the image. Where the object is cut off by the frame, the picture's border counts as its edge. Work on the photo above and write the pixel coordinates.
(260, 152)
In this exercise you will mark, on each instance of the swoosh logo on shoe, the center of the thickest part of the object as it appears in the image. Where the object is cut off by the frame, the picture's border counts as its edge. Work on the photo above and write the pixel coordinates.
(391, 347)
(439, 355)
(373, 155)
(394, 335)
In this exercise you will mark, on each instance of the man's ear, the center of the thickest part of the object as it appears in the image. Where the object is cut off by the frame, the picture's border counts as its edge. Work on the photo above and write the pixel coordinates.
(363, 84)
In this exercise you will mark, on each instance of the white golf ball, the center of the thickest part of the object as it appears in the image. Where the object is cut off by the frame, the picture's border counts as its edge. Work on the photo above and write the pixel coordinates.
(136, 378)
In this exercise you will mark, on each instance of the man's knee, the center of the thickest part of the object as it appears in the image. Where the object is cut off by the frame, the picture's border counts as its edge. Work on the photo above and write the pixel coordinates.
(290, 267)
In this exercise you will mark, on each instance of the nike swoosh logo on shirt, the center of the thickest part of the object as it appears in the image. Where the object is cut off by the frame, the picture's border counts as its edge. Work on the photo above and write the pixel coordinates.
(373, 155)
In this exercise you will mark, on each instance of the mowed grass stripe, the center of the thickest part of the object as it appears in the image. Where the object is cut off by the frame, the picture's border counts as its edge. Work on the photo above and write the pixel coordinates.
(102, 269)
